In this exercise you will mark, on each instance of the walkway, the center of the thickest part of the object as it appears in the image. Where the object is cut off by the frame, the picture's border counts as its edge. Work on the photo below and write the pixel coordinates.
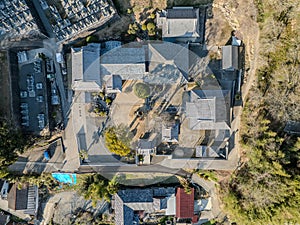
(43, 17)
(209, 187)
(19, 214)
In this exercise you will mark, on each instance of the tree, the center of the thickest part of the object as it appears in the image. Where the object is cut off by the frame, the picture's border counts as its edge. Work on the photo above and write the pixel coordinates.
(96, 187)
(108, 101)
(133, 28)
(129, 11)
(151, 32)
(115, 144)
(141, 90)
(11, 142)
(83, 155)
(102, 113)
(152, 16)
(150, 26)
(185, 184)
(144, 27)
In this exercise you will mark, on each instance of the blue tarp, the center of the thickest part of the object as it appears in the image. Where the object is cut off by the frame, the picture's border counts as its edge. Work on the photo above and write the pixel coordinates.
(46, 155)
(67, 178)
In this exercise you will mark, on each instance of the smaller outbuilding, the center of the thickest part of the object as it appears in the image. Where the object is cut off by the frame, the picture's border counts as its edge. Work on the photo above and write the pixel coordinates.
(230, 58)
(170, 133)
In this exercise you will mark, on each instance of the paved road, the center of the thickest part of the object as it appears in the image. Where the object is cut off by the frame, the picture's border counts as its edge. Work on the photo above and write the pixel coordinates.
(112, 169)
(209, 187)
(51, 45)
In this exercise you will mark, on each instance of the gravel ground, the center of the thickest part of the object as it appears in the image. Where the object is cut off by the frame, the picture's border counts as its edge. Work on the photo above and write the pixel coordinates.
(62, 207)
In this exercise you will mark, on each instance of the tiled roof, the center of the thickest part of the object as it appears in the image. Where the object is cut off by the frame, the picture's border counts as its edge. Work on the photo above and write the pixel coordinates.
(186, 13)
(292, 127)
(230, 57)
(86, 66)
(170, 133)
(179, 22)
(17, 199)
(129, 63)
(129, 201)
(168, 62)
(208, 109)
(184, 204)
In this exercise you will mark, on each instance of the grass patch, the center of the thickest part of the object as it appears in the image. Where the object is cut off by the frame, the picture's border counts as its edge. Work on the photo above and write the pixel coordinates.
(208, 175)
(142, 179)
(141, 90)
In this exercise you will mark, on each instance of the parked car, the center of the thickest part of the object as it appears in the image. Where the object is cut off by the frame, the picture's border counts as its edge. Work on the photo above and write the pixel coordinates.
(23, 94)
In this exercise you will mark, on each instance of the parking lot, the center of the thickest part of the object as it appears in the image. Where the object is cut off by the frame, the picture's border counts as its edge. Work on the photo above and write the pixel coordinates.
(33, 96)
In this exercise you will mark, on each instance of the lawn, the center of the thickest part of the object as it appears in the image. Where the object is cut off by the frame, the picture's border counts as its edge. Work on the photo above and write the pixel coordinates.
(144, 179)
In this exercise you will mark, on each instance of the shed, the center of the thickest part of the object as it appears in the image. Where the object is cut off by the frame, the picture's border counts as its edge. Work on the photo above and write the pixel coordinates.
(230, 58)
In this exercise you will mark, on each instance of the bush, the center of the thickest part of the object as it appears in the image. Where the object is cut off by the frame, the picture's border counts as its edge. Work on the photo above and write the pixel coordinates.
(102, 94)
(108, 101)
(129, 11)
(96, 187)
(152, 16)
(133, 28)
(144, 27)
(151, 32)
(102, 113)
(114, 144)
(141, 90)
(150, 26)
(91, 39)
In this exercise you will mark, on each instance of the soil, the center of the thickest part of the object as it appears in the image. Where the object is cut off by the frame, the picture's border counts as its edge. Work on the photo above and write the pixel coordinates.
(241, 16)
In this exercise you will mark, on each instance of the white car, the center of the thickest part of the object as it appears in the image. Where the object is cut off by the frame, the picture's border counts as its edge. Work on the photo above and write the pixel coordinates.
(23, 94)
(39, 86)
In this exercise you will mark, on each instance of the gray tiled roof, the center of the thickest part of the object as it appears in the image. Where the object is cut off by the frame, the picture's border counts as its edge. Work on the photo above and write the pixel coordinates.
(114, 82)
(179, 22)
(184, 13)
(86, 67)
(17, 199)
(230, 57)
(129, 63)
(170, 133)
(163, 192)
(208, 109)
(4, 218)
(168, 62)
(146, 144)
(124, 214)
(136, 195)
(130, 200)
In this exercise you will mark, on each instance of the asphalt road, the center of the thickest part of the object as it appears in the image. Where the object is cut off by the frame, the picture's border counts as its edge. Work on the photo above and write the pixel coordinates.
(106, 169)
(51, 45)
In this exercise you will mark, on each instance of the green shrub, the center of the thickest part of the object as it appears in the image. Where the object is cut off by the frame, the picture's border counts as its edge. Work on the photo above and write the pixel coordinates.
(141, 90)
(114, 143)
(150, 26)
(91, 39)
(152, 16)
(144, 27)
(108, 101)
